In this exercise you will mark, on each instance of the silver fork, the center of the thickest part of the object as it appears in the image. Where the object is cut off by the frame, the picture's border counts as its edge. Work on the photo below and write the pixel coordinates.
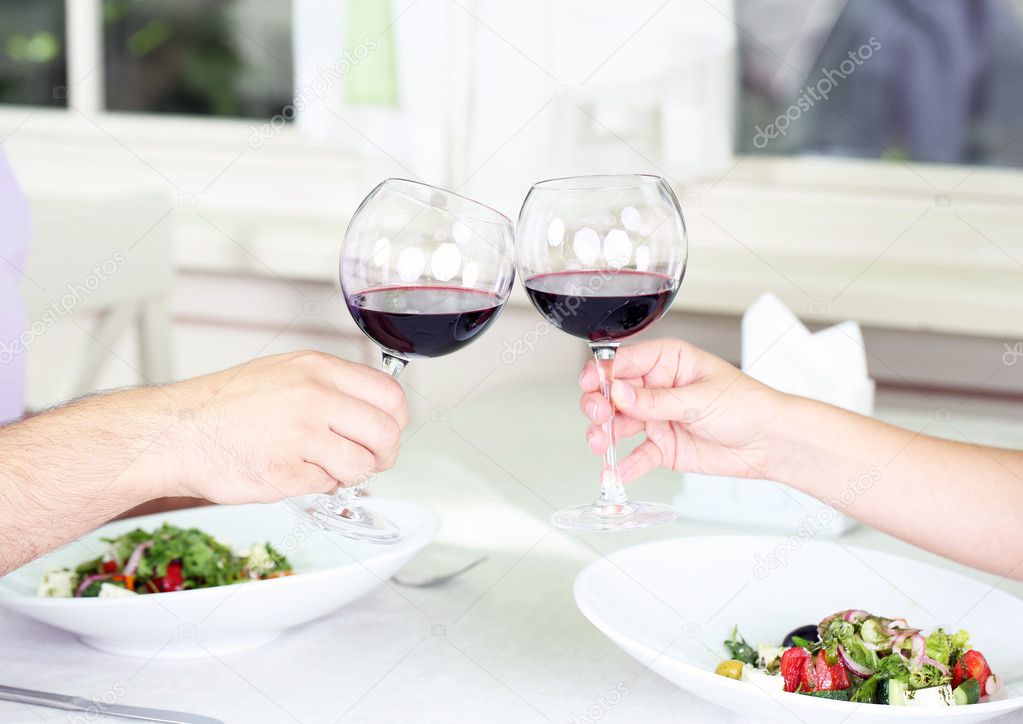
(416, 579)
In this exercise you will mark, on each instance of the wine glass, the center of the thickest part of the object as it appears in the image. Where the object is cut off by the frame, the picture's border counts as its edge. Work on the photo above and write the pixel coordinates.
(601, 258)
(424, 272)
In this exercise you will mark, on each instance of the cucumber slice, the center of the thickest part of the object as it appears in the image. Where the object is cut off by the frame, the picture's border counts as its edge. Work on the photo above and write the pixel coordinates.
(967, 692)
(871, 631)
(836, 694)
(892, 692)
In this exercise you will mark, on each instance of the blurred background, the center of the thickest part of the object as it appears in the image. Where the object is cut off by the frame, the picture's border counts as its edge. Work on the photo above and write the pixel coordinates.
(862, 160)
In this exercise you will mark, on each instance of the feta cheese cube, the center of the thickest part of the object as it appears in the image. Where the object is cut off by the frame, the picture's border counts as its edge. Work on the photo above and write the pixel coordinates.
(58, 583)
(109, 590)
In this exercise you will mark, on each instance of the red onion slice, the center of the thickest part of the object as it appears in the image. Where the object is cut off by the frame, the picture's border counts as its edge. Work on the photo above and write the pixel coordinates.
(136, 556)
(848, 662)
(918, 651)
(938, 665)
(89, 580)
(856, 615)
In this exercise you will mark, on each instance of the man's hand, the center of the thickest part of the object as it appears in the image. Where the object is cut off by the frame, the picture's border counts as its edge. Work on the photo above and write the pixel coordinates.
(698, 412)
(284, 425)
(268, 429)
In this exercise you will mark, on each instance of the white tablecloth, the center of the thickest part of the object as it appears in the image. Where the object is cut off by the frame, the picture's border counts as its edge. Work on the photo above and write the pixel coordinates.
(504, 643)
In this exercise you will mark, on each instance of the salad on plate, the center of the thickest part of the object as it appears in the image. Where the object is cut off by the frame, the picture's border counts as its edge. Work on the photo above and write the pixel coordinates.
(856, 656)
(168, 559)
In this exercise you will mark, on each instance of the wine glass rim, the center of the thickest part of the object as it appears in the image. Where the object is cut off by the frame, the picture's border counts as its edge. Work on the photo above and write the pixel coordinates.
(396, 184)
(592, 182)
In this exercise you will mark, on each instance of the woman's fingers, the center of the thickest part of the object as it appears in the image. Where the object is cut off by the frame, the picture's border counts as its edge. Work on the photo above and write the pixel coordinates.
(624, 427)
(666, 362)
(595, 406)
(641, 461)
(671, 403)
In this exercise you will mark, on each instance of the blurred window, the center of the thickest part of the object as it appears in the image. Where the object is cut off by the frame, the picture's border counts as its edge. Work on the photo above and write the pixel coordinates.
(198, 57)
(228, 58)
(33, 69)
(903, 79)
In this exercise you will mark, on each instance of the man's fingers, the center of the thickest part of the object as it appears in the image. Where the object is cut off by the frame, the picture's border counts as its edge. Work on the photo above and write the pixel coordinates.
(368, 426)
(652, 404)
(314, 479)
(345, 461)
(373, 386)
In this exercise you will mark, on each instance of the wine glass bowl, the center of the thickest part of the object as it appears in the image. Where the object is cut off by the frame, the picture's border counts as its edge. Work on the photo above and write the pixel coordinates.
(424, 271)
(602, 258)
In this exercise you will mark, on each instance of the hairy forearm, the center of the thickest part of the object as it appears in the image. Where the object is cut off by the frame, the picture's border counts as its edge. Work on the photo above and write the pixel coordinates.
(961, 501)
(66, 471)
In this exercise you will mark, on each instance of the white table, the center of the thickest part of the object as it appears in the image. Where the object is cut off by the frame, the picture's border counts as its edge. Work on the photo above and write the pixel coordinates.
(504, 643)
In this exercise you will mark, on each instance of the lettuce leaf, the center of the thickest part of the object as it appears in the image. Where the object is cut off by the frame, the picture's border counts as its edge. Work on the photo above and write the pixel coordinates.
(947, 648)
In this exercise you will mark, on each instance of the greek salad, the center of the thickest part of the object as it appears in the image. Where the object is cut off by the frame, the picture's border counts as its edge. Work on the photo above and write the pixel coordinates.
(856, 656)
(168, 559)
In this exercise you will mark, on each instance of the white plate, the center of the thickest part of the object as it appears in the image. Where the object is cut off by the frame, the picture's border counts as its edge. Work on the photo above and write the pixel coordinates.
(331, 571)
(670, 604)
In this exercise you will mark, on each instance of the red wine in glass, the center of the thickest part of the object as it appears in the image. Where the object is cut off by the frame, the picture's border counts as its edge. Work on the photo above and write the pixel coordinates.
(601, 306)
(424, 321)
(424, 272)
(602, 258)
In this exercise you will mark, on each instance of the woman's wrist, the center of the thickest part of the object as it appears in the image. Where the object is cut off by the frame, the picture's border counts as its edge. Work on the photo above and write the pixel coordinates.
(793, 453)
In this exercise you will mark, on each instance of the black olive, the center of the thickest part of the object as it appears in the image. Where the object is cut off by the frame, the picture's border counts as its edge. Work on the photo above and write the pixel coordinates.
(808, 632)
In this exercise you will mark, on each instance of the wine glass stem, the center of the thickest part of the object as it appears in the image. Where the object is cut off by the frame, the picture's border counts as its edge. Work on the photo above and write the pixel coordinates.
(349, 498)
(612, 492)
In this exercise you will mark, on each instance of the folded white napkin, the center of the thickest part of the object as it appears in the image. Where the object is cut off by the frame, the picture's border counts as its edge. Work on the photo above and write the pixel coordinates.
(829, 365)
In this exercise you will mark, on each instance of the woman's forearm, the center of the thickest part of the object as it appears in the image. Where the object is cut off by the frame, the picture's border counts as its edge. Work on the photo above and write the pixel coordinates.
(962, 501)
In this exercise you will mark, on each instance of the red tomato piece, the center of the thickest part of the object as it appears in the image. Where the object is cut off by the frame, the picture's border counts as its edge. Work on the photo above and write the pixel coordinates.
(173, 581)
(971, 665)
(793, 664)
(819, 676)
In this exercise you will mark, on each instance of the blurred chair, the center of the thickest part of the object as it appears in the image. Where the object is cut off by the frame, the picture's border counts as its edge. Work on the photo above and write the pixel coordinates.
(105, 262)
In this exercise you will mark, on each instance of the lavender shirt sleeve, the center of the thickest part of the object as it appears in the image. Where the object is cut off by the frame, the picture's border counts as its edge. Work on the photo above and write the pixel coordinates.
(15, 231)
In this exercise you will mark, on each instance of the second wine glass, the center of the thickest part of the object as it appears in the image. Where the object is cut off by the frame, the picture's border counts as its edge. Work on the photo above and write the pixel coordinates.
(601, 258)
(424, 272)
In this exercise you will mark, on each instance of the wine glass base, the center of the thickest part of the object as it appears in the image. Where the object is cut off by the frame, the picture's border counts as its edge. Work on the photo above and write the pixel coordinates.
(631, 515)
(357, 521)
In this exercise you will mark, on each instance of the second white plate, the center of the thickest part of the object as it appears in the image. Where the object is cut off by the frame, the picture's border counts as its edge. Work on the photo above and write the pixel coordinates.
(671, 604)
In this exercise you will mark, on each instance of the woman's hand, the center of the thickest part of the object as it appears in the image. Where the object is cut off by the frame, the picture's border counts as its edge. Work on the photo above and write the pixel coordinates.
(698, 412)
